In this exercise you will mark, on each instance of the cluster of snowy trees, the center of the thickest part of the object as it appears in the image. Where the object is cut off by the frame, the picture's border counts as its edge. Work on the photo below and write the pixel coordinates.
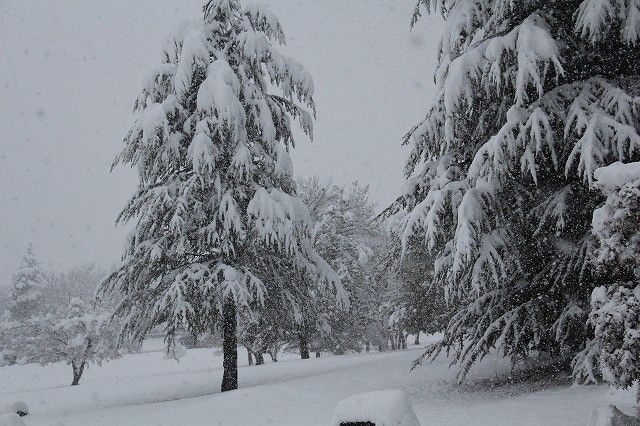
(52, 317)
(363, 251)
(522, 183)
(225, 240)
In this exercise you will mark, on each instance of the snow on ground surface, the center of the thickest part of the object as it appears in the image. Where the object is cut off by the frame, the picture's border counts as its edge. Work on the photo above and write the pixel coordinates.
(147, 389)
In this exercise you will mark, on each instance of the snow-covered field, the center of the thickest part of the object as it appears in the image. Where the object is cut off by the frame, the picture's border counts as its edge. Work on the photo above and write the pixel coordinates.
(147, 389)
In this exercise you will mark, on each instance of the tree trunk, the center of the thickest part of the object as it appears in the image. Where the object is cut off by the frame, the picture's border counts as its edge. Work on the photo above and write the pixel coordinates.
(229, 347)
(638, 399)
(403, 341)
(77, 373)
(367, 347)
(259, 358)
(417, 342)
(304, 347)
(274, 354)
(317, 354)
(249, 356)
(194, 337)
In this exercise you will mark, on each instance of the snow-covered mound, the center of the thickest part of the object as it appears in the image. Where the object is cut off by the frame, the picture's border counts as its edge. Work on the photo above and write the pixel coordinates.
(11, 419)
(16, 407)
(383, 408)
(615, 175)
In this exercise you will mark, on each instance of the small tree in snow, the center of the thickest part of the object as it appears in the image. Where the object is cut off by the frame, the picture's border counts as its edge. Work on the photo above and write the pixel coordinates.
(210, 141)
(262, 333)
(26, 285)
(78, 335)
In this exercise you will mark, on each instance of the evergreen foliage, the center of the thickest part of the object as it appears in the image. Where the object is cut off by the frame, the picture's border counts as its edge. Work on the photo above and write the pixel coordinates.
(500, 175)
(210, 141)
(26, 286)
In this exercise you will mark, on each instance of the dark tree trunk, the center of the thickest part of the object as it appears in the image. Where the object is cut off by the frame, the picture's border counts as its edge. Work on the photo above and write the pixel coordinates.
(274, 354)
(194, 337)
(259, 358)
(317, 354)
(249, 356)
(367, 347)
(77, 373)
(304, 347)
(417, 342)
(229, 347)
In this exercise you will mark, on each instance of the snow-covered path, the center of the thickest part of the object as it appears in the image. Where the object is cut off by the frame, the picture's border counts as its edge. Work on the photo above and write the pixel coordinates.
(292, 392)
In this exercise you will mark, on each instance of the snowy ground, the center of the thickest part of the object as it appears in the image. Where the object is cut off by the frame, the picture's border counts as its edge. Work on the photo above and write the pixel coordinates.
(146, 389)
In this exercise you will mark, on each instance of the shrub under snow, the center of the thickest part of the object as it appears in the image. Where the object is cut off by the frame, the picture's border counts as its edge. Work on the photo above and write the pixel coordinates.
(383, 408)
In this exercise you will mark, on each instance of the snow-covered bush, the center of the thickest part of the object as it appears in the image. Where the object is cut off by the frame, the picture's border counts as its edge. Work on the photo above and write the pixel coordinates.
(210, 141)
(615, 316)
(500, 173)
(78, 335)
(614, 352)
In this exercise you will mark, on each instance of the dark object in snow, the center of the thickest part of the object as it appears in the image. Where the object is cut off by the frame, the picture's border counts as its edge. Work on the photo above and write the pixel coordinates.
(611, 416)
(16, 407)
(357, 424)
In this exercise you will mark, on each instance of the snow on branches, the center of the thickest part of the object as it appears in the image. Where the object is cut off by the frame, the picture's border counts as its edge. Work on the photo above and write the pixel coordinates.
(615, 306)
(78, 334)
(26, 287)
(216, 198)
(500, 176)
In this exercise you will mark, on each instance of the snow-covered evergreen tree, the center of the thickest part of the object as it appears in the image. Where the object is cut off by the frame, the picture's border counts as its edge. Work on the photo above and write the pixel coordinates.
(530, 103)
(78, 334)
(26, 284)
(210, 140)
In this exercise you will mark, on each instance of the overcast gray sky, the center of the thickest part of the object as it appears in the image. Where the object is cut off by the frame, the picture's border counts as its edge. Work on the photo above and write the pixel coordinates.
(70, 70)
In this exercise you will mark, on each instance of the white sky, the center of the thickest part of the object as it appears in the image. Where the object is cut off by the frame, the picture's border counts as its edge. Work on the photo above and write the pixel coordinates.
(70, 70)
